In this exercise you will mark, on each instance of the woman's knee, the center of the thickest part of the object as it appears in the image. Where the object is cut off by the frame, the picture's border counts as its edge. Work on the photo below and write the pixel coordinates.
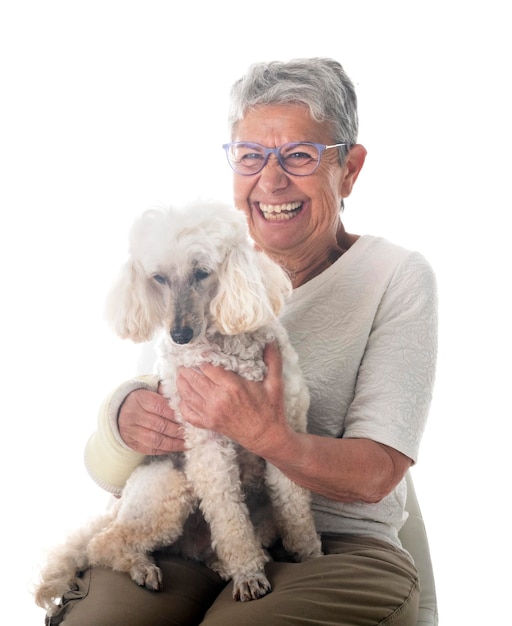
(361, 582)
(106, 598)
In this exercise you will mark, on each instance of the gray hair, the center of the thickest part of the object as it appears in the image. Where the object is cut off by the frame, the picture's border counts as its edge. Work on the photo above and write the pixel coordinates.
(321, 84)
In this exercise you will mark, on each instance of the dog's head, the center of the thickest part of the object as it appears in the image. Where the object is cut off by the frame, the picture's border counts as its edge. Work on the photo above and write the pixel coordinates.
(193, 269)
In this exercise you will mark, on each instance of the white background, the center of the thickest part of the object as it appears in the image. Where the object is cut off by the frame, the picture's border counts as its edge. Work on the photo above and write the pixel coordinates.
(104, 109)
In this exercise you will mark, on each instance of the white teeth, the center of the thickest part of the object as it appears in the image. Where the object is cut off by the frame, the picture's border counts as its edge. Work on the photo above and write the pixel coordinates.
(279, 211)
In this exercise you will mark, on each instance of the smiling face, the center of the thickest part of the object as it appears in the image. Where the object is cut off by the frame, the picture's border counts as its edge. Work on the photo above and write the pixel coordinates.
(295, 219)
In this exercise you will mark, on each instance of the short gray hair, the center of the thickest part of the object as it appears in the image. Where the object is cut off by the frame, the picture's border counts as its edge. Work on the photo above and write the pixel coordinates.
(321, 84)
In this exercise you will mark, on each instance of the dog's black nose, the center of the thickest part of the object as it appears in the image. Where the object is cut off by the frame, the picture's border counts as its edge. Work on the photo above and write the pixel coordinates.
(182, 335)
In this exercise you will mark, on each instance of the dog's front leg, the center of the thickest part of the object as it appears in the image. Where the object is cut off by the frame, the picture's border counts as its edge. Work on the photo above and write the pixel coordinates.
(213, 470)
(156, 502)
(292, 510)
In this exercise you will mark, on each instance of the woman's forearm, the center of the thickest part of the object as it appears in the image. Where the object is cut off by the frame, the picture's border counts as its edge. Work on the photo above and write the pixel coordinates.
(345, 470)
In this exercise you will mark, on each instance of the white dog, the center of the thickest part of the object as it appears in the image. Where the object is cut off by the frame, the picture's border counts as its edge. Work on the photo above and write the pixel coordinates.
(195, 275)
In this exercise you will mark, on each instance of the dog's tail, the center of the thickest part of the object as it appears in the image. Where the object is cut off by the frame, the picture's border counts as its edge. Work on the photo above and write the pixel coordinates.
(64, 562)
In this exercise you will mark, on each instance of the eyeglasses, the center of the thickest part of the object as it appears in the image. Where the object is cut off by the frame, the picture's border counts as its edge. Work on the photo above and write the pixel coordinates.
(297, 158)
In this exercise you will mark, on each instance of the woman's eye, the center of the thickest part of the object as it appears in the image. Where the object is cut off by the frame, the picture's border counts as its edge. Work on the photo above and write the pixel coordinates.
(159, 279)
(298, 156)
(251, 156)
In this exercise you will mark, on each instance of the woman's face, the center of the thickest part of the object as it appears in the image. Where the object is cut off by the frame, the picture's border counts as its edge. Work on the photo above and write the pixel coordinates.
(291, 216)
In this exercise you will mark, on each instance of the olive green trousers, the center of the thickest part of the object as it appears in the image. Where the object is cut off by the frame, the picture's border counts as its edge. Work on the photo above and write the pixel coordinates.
(359, 582)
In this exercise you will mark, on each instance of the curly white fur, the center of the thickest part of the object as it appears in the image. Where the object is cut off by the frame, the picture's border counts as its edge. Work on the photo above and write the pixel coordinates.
(195, 276)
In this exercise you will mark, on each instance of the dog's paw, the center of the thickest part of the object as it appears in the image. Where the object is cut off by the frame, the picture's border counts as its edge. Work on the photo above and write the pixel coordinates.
(245, 589)
(309, 553)
(303, 547)
(149, 576)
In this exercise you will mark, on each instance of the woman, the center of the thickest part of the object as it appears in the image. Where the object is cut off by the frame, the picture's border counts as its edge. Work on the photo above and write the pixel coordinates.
(362, 318)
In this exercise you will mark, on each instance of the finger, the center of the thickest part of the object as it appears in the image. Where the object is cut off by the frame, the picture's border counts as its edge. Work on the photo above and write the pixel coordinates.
(160, 443)
(193, 388)
(153, 435)
(274, 361)
(154, 403)
(273, 358)
(203, 381)
(192, 417)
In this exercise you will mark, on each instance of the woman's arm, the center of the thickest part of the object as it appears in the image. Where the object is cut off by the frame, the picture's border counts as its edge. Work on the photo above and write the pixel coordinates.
(252, 414)
(133, 422)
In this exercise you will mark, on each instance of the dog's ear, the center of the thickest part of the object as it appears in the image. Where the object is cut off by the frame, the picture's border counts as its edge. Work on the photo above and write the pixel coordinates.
(251, 291)
(130, 306)
(276, 280)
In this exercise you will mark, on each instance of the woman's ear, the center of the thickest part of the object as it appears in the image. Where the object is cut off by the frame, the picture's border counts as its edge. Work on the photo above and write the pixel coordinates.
(353, 165)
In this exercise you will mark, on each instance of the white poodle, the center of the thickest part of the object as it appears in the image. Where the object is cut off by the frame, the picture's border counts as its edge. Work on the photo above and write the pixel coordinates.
(194, 275)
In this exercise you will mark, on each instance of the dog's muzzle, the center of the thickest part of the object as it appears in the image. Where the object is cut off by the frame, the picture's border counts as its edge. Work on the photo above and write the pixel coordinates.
(182, 335)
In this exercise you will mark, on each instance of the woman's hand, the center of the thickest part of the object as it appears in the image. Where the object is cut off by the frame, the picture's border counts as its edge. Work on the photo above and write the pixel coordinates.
(250, 413)
(147, 424)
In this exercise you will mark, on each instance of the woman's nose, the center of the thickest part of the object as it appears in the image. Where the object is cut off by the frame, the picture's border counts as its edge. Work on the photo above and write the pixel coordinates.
(272, 176)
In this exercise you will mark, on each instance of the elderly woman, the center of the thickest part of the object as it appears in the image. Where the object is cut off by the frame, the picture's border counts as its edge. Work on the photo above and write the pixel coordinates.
(362, 318)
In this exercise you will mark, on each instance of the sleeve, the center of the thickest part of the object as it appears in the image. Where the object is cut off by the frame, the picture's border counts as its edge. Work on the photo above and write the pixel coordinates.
(108, 460)
(396, 377)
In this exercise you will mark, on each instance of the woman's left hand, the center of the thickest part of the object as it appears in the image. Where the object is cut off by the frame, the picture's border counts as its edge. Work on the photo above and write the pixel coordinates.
(251, 413)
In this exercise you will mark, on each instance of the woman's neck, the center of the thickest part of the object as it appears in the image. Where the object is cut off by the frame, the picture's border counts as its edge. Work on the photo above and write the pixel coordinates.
(303, 269)
(301, 273)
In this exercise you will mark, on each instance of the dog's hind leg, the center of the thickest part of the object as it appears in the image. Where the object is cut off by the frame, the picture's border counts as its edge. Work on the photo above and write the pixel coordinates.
(155, 504)
(292, 510)
(65, 562)
(213, 470)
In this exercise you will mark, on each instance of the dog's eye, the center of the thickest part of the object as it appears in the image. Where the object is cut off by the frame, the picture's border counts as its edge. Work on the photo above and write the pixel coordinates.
(159, 279)
(200, 274)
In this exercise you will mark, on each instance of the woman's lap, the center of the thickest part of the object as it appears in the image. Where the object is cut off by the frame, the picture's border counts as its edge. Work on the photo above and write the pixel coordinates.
(107, 598)
(361, 581)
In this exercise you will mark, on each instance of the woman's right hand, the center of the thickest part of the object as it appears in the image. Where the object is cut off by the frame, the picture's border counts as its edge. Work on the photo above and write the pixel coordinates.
(148, 425)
